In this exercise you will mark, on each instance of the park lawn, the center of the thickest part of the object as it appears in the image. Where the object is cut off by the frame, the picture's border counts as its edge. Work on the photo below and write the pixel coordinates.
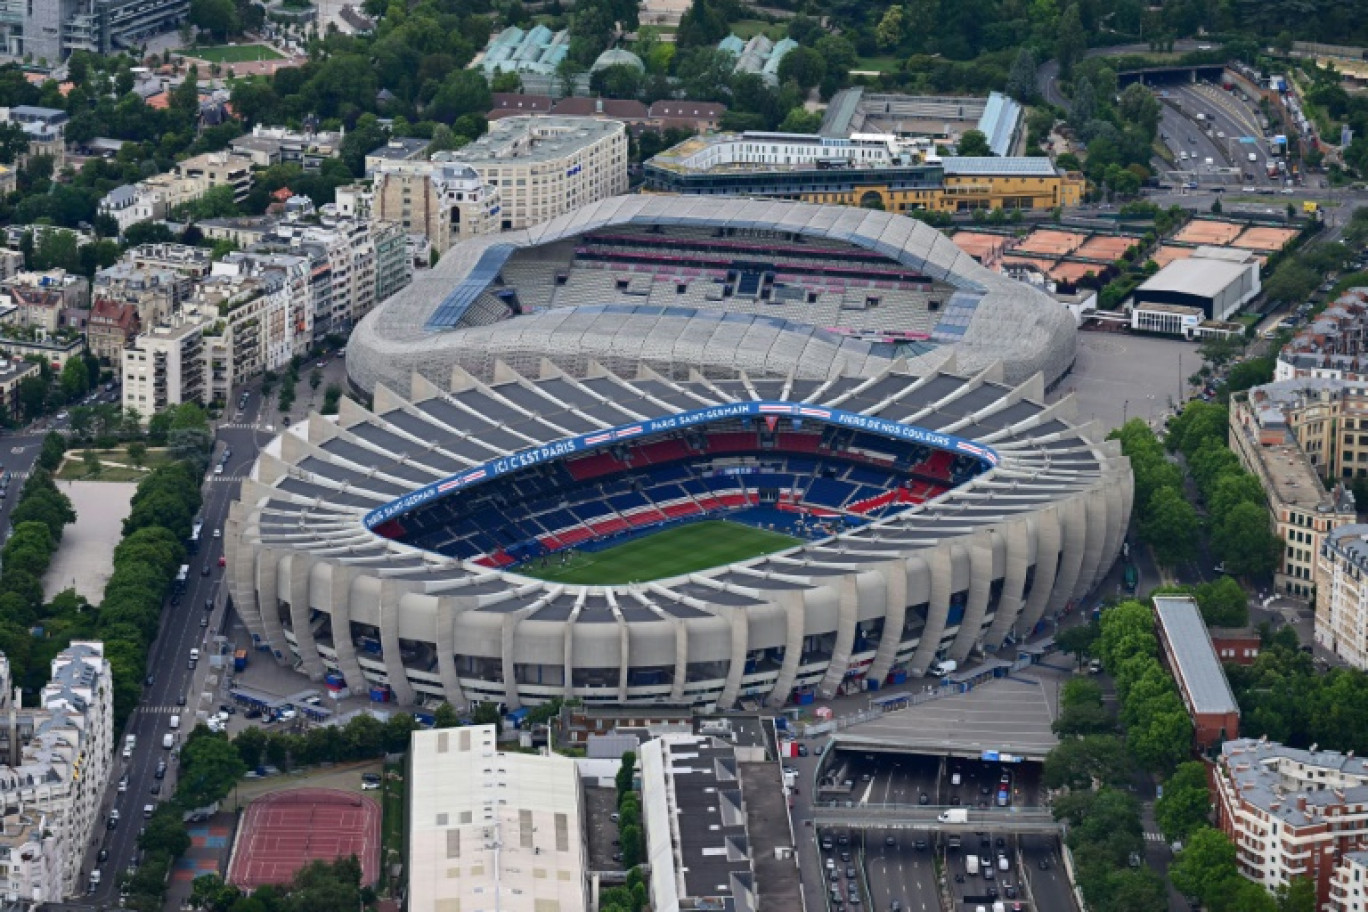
(234, 53)
(746, 29)
(73, 468)
(884, 64)
(671, 552)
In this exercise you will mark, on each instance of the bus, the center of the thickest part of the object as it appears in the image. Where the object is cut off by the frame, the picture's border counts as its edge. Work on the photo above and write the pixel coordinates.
(195, 531)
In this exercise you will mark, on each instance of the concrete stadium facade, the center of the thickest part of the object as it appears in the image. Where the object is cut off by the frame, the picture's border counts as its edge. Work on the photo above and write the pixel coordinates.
(1012, 545)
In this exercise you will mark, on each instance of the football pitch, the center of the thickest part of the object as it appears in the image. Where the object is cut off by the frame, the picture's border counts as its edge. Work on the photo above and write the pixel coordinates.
(670, 552)
(233, 53)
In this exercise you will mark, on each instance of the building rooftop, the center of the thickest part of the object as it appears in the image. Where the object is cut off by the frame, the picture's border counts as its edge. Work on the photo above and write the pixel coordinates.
(1191, 650)
(400, 148)
(1270, 776)
(509, 825)
(1352, 542)
(1205, 276)
(535, 139)
(691, 787)
(1023, 166)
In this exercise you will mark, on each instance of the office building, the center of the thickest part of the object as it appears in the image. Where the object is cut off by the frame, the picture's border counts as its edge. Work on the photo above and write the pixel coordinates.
(1191, 657)
(873, 171)
(543, 167)
(1291, 813)
(56, 757)
(694, 812)
(492, 830)
(47, 31)
(1277, 433)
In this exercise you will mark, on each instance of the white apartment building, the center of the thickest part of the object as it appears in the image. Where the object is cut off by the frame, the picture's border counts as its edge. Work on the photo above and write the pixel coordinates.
(543, 167)
(489, 830)
(31, 859)
(1291, 813)
(56, 758)
(1342, 594)
(165, 365)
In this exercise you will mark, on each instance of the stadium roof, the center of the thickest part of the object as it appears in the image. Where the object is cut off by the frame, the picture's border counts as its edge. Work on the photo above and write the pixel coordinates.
(1190, 646)
(1003, 321)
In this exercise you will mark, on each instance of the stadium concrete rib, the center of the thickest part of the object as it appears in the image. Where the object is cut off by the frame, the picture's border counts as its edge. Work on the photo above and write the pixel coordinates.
(1017, 543)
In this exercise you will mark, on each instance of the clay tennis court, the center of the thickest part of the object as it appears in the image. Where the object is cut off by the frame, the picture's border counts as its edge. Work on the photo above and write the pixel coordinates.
(284, 831)
(1051, 242)
(1041, 264)
(1166, 254)
(1264, 238)
(1106, 246)
(1072, 272)
(980, 246)
(1204, 231)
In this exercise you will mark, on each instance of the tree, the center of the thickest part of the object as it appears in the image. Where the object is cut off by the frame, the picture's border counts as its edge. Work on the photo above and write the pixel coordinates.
(1185, 805)
(445, 716)
(889, 32)
(92, 463)
(1071, 41)
(631, 846)
(217, 17)
(700, 25)
(210, 767)
(1083, 104)
(1299, 895)
(1246, 543)
(137, 452)
(53, 449)
(626, 775)
(973, 144)
(1079, 641)
(251, 745)
(462, 92)
(804, 67)
(164, 833)
(1021, 78)
(1079, 763)
(1081, 711)
(1170, 527)
(1223, 602)
(1205, 865)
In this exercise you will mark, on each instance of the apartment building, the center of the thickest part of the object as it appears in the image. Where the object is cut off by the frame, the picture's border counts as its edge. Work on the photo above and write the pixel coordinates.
(31, 853)
(493, 830)
(165, 365)
(1291, 813)
(183, 258)
(398, 149)
(444, 201)
(543, 167)
(12, 372)
(266, 146)
(56, 758)
(155, 291)
(119, 204)
(1341, 620)
(111, 328)
(1279, 436)
(42, 299)
(217, 169)
(1333, 345)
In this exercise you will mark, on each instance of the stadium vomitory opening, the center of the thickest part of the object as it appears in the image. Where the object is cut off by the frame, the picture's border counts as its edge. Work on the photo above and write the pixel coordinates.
(636, 455)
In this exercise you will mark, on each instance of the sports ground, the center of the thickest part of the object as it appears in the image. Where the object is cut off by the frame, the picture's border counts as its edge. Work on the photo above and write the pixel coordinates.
(670, 552)
(283, 831)
(233, 53)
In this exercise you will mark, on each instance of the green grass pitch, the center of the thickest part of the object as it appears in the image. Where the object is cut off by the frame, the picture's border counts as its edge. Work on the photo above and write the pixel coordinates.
(229, 53)
(670, 552)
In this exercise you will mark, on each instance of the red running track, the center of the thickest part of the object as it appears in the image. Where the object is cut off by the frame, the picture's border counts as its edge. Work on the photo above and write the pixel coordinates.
(284, 831)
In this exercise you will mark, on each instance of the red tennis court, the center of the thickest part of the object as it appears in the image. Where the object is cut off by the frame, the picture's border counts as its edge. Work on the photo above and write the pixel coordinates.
(283, 832)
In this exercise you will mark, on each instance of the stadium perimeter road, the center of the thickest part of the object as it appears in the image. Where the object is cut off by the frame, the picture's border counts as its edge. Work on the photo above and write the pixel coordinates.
(1118, 376)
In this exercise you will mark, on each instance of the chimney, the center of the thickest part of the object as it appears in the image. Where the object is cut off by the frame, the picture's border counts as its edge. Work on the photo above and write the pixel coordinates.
(1301, 803)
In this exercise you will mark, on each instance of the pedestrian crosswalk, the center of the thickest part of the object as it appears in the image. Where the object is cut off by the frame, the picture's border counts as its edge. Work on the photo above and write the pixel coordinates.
(162, 710)
(1154, 837)
(227, 477)
(240, 426)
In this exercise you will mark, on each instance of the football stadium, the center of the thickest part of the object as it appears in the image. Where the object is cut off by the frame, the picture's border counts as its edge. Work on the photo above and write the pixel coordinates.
(735, 507)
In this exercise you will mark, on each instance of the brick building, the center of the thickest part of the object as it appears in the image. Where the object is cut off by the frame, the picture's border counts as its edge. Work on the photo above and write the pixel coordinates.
(1190, 655)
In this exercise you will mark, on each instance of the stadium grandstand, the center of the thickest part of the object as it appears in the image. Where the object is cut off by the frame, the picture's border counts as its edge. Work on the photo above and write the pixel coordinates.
(684, 285)
(464, 542)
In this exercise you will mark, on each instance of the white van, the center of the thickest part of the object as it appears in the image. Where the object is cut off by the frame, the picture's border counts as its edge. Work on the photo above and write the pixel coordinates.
(175, 722)
(1003, 864)
(194, 657)
(971, 864)
(1208, 161)
(168, 741)
(943, 668)
(148, 811)
(1182, 156)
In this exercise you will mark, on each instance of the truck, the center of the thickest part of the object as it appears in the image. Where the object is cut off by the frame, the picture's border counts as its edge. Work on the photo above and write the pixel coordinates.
(971, 863)
(943, 668)
(168, 741)
(953, 815)
(239, 660)
(183, 575)
(130, 743)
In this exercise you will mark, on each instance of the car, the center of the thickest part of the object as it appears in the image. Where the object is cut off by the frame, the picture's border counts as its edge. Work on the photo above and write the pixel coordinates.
(854, 898)
(102, 855)
(954, 799)
(850, 871)
(231, 710)
(252, 714)
(843, 840)
(1009, 890)
(367, 786)
(205, 571)
(204, 620)
(150, 680)
(890, 841)
(218, 469)
(985, 860)
(1043, 864)
(835, 876)
(180, 701)
(218, 533)
(1247, 189)
(156, 788)
(1001, 843)
(959, 878)
(223, 560)
(62, 416)
(919, 845)
(802, 750)
(992, 892)
(923, 798)
(845, 855)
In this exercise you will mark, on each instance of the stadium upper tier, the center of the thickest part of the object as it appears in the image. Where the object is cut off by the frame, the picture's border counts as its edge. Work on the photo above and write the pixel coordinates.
(380, 548)
(714, 286)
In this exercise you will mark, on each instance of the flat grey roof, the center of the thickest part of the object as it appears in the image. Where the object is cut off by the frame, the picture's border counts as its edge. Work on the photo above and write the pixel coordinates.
(1033, 166)
(1194, 657)
(1010, 715)
(1196, 275)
